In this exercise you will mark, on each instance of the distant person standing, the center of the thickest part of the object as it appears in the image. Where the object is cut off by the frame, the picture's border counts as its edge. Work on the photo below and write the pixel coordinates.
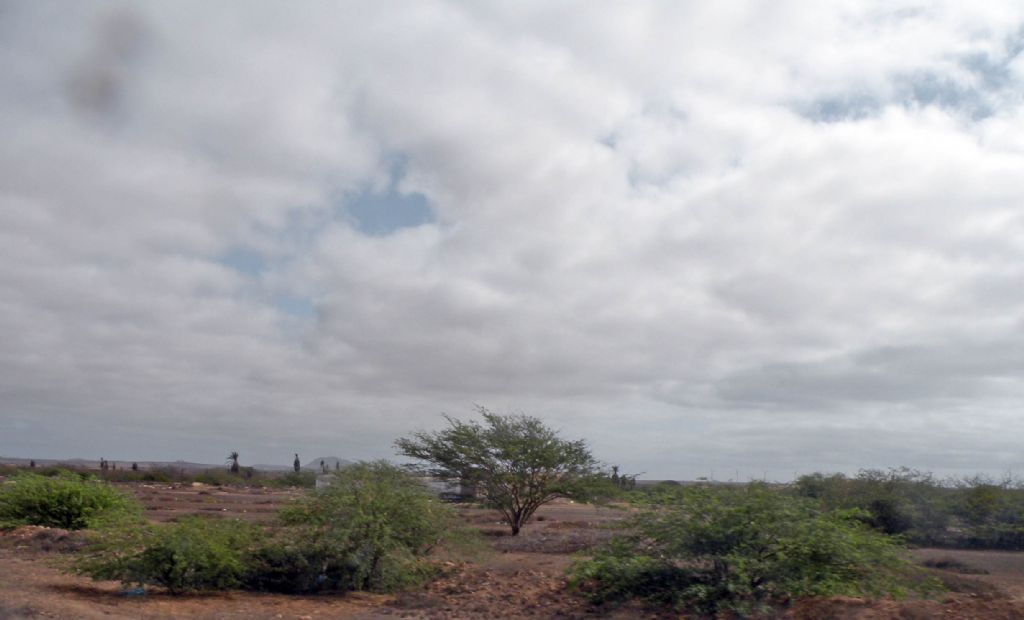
(297, 465)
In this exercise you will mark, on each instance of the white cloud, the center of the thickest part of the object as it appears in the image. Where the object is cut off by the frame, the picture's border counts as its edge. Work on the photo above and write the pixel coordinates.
(718, 235)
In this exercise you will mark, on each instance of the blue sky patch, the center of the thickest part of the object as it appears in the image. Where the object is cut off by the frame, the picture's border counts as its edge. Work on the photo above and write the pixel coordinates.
(381, 213)
(244, 260)
(295, 306)
(850, 107)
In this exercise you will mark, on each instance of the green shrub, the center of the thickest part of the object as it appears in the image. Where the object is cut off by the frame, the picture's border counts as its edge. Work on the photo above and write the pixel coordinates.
(709, 550)
(287, 569)
(617, 573)
(155, 475)
(974, 512)
(899, 501)
(301, 479)
(66, 500)
(192, 554)
(51, 471)
(218, 477)
(302, 567)
(370, 529)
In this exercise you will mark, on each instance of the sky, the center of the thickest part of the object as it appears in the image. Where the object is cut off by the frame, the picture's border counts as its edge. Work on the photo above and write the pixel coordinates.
(725, 239)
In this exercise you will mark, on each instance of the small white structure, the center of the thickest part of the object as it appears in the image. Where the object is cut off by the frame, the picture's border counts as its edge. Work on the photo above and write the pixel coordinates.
(452, 491)
(444, 489)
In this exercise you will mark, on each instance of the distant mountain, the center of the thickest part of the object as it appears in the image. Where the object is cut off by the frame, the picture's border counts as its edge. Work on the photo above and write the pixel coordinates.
(314, 465)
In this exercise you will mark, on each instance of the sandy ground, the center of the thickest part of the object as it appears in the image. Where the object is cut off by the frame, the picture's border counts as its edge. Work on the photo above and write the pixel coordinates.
(520, 577)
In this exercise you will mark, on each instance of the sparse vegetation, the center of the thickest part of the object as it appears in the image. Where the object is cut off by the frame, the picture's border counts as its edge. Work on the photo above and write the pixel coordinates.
(65, 500)
(370, 530)
(701, 548)
(214, 477)
(302, 479)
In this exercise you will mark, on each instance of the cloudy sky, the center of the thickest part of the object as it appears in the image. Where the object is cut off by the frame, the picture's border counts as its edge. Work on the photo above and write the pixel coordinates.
(728, 239)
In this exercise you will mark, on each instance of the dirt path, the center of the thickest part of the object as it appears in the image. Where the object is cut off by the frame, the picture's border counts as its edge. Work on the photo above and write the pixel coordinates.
(1002, 569)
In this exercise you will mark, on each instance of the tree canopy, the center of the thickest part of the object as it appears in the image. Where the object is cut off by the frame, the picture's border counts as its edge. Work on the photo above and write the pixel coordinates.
(516, 462)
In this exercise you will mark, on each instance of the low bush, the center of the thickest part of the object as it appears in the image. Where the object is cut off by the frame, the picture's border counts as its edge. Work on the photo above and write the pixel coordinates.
(303, 568)
(217, 477)
(192, 554)
(156, 475)
(165, 475)
(709, 550)
(8, 470)
(977, 512)
(285, 568)
(301, 479)
(65, 499)
(51, 471)
(370, 529)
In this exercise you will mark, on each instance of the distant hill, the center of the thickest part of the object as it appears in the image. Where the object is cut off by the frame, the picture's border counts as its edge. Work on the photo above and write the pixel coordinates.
(145, 465)
(95, 463)
(314, 465)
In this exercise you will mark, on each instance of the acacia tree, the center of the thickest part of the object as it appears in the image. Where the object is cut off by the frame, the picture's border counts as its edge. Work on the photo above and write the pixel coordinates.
(516, 463)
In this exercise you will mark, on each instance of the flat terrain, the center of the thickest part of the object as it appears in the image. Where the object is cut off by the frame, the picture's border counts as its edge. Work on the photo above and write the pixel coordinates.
(165, 502)
(520, 577)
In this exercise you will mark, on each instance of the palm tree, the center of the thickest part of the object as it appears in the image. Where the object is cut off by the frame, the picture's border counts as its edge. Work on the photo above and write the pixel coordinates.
(233, 459)
(297, 465)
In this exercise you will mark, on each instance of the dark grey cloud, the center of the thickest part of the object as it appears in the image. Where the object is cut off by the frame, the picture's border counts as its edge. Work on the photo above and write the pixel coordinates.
(100, 80)
(932, 374)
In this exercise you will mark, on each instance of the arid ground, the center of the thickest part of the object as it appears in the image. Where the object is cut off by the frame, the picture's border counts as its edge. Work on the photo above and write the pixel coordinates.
(521, 577)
